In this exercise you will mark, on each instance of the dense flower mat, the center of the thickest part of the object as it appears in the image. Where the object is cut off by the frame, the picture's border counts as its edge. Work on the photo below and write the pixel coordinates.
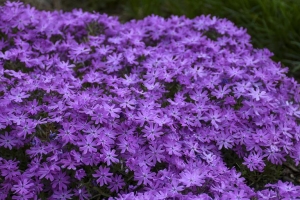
(91, 108)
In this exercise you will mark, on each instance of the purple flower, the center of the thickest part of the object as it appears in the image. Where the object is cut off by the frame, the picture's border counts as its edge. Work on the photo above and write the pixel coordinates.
(62, 194)
(61, 181)
(109, 156)
(238, 195)
(173, 148)
(87, 144)
(254, 162)
(155, 153)
(103, 176)
(9, 169)
(257, 94)
(8, 141)
(47, 171)
(191, 178)
(152, 131)
(17, 95)
(285, 189)
(23, 196)
(112, 110)
(144, 175)
(23, 186)
(67, 133)
(117, 183)
(26, 128)
(215, 117)
(149, 104)
(79, 174)
(82, 193)
(221, 92)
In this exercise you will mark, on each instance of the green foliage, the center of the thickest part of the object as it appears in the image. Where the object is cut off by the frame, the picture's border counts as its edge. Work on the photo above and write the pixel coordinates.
(111, 7)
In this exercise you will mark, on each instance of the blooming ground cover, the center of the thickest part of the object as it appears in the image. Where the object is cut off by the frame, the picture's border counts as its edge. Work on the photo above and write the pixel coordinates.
(94, 109)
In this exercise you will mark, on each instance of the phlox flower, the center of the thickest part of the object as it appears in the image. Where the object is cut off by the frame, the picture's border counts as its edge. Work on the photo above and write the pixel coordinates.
(47, 171)
(67, 133)
(103, 176)
(152, 131)
(18, 95)
(129, 143)
(23, 186)
(82, 194)
(274, 154)
(9, 169)
(23, 196)
(143, 108)
(173, 148)
(62, 194)
(99, 115)
(144, 175)
(285, 189)
(109, 156)
(237, 195)
(155, 153)
(117, 183)
(87, 144)
(221, 92)
(191, 178)
(8, 140)
(225, 140)
(214, 116)
(112, 110)
(257, 94)
(128, 103)
(26, 128)
(61, 181)
(254, 162)
(79, 174)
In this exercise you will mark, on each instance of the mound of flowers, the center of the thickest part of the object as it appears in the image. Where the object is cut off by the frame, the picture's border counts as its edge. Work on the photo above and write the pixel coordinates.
(91, 108)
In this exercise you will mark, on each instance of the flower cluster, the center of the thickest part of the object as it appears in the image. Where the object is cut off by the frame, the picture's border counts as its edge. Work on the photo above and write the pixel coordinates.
(90, 107)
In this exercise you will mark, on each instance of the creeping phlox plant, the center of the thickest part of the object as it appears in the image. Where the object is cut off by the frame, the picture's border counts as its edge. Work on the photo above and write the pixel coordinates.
(92, 108)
